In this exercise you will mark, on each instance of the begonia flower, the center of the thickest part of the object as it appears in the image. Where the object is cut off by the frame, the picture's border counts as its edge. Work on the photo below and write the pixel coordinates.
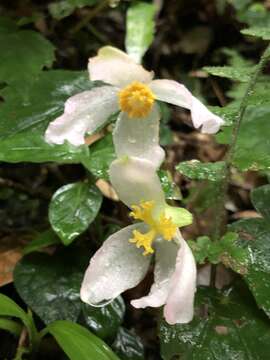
(124, 258)
(131, 90)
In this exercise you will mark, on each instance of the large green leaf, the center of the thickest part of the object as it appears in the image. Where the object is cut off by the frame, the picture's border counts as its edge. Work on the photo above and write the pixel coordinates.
(79, 343)
(105, 321)
(23, 55)
(11, 326)
(140, 29)
(261, 200)
(25, 117)
(261, 32)
(253, 135)
(50, 285)
(227, 325)
(73, 208)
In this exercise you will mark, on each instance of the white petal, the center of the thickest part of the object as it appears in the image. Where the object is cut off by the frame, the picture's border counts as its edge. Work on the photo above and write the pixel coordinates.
(177, 94)
(164, 268)
(84, 113)
(180, 302)
(116, 68)
(172, 92)
(117, 266)
(202, 117)
(139, 137)
(135, 180)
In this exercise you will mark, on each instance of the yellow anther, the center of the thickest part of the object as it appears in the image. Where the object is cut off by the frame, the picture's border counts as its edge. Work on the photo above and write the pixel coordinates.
(163, 226)
(136, 100)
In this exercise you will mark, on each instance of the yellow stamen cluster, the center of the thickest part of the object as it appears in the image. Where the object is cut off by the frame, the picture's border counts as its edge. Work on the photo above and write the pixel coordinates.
(136, 100)
(162, 226)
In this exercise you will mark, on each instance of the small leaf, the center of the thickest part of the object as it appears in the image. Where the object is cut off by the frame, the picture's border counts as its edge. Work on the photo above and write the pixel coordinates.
(140, 29)
(64, 8)
(79, 343)
(226, 325)
(172, 192)
(194, 169)
(50, 285)
(11, 326)
(261, 32)
(105, 321)
(73, 208)
(128, 346)
(179, 216)
(44, 239)
(239, 74)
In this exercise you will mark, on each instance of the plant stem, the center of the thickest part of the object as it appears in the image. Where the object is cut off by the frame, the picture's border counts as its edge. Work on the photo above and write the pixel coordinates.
(224, 184)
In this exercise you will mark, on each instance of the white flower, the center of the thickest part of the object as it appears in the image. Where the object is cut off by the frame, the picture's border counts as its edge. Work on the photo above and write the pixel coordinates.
(123, 259)
(133, 91)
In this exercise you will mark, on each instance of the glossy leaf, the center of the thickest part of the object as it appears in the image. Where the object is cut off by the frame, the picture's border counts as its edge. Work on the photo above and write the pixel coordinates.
(42, 240)
(140, 29)
(17, 48)
(72, 209)
(194, 169)
(79, 343)
(101, 156)
(227, 325)
(239, 74)
(172, 192)
(105, 321)
(261, 200)
(128, 346)
(50, 285)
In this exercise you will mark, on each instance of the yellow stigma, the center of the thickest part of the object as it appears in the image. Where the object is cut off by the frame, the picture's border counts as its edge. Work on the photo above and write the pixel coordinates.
(162, 226)
(136, 100)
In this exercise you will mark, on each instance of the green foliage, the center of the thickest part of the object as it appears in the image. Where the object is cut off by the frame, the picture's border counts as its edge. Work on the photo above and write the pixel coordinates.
(79, 343)
(105, 321)
(24, 118)
(42, 240)
(226, 326)
(261, 32)
(254, 236)
(226, 251)
(50, 285)
(11, 326)
(64, 8)
(194, 169)
(172, 192)
(128, 346)
(17, 48)
(72, 209)
(140, 29)
(238, 74)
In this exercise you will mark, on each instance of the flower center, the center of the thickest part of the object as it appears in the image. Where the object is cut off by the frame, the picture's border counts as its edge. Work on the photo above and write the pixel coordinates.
(136, 100)
(162, 226)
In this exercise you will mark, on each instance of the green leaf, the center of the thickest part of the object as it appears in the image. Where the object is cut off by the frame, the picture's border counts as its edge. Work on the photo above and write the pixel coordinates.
(200, 248)
(261, 200)
(194, 169)
(172, 192)
(101, 156)
(64, 8)
(9, 308)
(73, 208)
(227, 113)
(261, 32)
(253, 135)
(23, 55)
(42, 240)
(105, 321)
(128, 346)
(254, 236)
(79, 343)
(50, 285)
(239, 74)
(227, 325)
(24, 118)
(11, 326)
(140, 29)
